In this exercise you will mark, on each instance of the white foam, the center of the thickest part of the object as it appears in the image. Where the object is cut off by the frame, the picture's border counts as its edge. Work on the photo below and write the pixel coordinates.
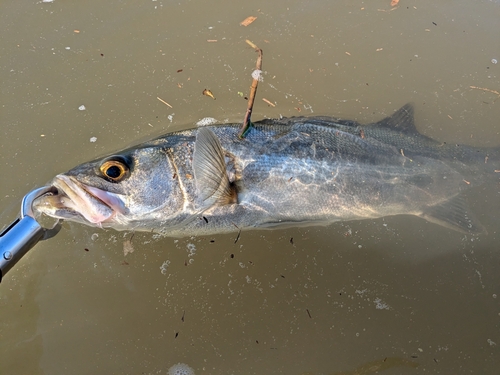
(180, 369)
(207, 121)
(257, 75)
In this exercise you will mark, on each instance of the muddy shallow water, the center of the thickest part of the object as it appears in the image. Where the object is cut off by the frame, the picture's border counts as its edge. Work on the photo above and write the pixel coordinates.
(396, 295)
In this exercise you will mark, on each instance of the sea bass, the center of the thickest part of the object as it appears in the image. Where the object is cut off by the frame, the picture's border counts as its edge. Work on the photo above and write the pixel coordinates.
(292, 171)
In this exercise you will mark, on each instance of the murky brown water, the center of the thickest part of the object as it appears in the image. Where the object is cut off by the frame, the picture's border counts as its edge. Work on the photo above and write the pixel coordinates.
(397, 295)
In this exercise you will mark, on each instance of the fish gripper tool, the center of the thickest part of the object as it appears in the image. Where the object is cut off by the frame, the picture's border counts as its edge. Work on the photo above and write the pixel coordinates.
(24, 232)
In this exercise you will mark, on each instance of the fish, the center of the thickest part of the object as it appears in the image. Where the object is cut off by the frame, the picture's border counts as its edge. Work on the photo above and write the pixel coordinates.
(285, 172)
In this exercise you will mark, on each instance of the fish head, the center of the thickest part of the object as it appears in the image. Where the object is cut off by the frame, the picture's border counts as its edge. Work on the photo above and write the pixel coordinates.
(124, 191)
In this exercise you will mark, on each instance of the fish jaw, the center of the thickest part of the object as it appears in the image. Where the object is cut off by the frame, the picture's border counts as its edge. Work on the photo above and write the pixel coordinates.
(80, 202)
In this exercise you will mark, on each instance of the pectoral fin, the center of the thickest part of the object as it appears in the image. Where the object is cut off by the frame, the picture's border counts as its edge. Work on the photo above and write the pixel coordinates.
(453, 214)
(209, 168)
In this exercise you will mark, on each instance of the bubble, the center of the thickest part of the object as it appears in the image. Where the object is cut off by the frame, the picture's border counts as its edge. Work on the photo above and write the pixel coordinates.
(180, 369)
(164, 266)
(191, 248)
(494, 61)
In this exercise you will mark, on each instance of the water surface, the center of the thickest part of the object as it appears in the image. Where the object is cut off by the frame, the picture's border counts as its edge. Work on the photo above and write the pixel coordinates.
(397, 294)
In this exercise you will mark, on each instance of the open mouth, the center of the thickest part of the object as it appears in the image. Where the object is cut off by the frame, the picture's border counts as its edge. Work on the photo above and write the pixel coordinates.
(79, 202)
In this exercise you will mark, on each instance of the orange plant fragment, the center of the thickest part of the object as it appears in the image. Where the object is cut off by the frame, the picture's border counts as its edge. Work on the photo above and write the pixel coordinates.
(247, 21)
(394, 3)
(208, 93)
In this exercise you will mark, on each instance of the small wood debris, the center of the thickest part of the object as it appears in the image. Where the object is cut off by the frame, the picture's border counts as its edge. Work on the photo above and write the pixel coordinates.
(247, 21)
(253, 90)
(212, 40)
(76, 31)
(268, 102)
(163, 101)
(209, 93)
(485, 89)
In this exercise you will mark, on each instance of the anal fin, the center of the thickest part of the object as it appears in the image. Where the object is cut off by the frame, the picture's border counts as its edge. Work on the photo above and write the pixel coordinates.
(209, 168)
(453, 214)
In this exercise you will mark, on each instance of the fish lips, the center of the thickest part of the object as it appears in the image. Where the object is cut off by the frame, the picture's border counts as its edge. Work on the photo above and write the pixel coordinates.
(80, 202)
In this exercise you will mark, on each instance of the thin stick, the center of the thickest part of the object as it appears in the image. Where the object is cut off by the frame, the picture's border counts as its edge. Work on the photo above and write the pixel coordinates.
(163, 101)
(485, 89)
(253, 91)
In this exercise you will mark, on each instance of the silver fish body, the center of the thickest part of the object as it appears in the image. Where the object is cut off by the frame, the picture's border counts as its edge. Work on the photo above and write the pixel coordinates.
(293, 171)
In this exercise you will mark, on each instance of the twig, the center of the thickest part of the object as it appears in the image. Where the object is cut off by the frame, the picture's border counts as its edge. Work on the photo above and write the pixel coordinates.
(268, 102)
(485, 89)
(253, 91)
(163, 101)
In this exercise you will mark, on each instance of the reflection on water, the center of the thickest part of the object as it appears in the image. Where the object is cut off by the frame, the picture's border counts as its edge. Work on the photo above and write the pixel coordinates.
(339, 299)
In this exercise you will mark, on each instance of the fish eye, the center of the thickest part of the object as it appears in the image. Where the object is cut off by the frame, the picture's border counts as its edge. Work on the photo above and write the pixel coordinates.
(114, 170)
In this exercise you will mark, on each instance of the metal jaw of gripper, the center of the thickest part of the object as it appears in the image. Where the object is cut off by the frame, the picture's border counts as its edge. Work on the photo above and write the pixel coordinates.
(24, 232)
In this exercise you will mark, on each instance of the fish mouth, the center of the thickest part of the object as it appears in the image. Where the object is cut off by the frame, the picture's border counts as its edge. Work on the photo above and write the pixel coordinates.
(79, 202)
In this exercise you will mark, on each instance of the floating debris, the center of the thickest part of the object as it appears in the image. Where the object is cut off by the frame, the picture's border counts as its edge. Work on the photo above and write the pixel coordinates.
(209, 93)
(127, 246)
(163, 101)
(268, 102)
(247, 21)
(256, 75)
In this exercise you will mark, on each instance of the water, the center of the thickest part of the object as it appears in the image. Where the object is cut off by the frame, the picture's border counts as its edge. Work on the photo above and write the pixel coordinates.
(396, 294)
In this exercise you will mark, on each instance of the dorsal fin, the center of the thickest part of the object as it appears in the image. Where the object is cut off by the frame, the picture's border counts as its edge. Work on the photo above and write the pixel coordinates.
(209, 169)
(402, 119)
